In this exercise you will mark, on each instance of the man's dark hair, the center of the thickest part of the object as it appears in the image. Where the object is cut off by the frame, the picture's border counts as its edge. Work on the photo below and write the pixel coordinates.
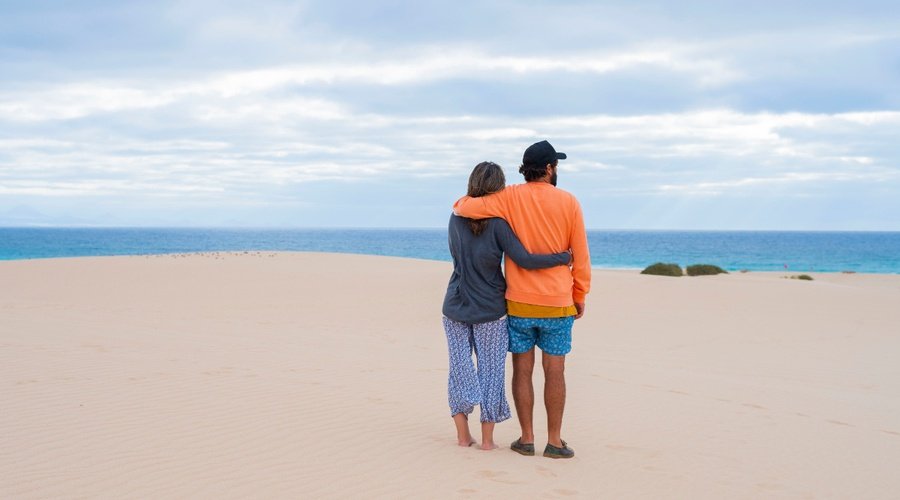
(535, 172)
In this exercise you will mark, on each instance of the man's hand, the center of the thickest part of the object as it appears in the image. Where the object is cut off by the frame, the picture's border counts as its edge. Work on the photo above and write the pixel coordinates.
(579, 307)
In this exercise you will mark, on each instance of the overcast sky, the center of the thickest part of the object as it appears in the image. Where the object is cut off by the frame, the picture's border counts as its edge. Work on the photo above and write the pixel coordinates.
(675, 115)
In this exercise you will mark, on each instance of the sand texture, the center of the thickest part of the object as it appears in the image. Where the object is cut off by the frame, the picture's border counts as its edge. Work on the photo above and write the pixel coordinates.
(292, 375)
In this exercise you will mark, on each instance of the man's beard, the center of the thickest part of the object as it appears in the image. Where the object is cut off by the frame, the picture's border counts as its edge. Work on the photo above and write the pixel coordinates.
(553, 178)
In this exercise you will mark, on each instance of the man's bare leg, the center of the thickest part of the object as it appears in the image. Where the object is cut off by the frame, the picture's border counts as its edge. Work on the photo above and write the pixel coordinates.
(554, 395)
(523, 393)
(463, 436)
(487, 436)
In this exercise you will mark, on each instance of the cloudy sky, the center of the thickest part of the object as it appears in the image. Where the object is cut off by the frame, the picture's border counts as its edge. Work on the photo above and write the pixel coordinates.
(675, 115)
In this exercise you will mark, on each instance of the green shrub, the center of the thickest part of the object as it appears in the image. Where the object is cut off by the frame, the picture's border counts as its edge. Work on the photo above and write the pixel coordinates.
(661, 269)
(803, 277)
(704, 270)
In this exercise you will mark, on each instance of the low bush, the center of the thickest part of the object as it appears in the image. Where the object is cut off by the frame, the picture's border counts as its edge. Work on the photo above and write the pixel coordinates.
(661, 269)
(704, 270)
(803, 277)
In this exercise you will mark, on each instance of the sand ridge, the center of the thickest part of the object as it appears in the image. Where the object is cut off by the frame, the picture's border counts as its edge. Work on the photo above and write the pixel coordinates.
(268, 374)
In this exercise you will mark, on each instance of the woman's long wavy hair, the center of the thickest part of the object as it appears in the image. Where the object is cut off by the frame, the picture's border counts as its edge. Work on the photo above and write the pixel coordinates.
(486, 178)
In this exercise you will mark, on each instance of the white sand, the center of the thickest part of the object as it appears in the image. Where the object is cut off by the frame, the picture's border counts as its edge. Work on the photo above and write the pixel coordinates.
(309, 375)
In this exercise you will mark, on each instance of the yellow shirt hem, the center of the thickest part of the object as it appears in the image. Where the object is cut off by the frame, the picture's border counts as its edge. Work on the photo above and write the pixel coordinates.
(523, 310)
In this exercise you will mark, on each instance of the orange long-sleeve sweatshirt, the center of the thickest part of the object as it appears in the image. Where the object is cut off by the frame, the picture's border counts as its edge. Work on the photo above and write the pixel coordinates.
(547, 220)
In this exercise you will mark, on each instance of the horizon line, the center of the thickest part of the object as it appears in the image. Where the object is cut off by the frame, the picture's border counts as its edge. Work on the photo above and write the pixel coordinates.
(414, 228)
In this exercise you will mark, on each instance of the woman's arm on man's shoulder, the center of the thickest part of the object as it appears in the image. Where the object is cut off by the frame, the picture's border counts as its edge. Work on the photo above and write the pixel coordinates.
(483, 207)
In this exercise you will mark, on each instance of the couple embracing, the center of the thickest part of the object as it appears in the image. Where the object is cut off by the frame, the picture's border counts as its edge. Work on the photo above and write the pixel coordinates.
(540, 229)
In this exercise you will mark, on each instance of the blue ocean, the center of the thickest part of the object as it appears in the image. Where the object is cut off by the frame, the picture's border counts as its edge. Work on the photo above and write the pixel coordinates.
(865, 252)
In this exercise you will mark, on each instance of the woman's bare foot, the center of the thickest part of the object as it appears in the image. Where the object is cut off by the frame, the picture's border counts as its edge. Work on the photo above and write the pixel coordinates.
(463, 436)
(487, 436)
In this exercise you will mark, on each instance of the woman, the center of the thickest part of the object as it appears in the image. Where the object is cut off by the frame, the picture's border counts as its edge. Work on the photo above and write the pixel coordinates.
(475, 310)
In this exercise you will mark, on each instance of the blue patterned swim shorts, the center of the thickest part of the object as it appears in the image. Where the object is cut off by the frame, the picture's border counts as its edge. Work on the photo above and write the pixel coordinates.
(552, 335)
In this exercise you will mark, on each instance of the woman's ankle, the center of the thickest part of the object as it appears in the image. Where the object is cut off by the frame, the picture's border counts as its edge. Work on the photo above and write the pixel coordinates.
(488, 445)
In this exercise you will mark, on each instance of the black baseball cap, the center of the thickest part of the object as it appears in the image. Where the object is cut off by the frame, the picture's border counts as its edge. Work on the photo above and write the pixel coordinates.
(541, 154)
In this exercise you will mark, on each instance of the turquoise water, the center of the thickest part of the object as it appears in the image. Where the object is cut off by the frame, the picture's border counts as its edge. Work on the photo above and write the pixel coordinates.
(872, 252)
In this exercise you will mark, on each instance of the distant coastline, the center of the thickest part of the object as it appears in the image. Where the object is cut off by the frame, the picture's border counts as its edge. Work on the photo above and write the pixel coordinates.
(806, 251)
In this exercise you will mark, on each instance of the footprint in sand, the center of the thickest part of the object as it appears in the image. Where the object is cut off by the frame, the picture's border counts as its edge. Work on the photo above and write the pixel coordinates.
(497, 476)
(94, 347)
(544, 471)
(225, 370)
(633, 449)
(769, 486)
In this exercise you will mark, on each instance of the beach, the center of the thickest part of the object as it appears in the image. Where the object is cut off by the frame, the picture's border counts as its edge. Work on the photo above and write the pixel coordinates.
(313, 375)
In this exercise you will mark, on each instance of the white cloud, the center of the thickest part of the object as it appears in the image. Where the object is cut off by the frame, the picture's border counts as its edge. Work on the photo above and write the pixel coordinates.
(708, 151)
(231, 104)
(77, 100)
(100, 188)
(271, 110)
(501, 133)
(214, 96)
(788, 178)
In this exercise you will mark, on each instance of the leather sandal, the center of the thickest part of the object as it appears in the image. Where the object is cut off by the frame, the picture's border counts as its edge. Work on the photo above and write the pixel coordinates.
(553, 452)
(522, 448)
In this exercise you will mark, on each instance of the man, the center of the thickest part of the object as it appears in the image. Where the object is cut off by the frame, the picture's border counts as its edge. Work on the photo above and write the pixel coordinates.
(542, 304)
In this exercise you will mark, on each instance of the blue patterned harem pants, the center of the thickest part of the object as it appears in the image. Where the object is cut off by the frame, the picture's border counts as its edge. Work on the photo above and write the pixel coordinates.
(487, 386)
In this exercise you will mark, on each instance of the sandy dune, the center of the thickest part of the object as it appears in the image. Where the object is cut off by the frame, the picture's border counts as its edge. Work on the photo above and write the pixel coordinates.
(285, 375)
